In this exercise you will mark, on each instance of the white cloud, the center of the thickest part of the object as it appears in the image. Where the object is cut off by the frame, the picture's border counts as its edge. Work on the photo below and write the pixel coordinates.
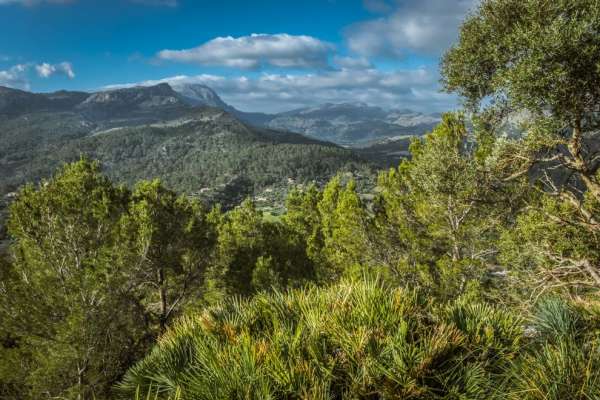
(424, 26)
(415, 89)
(352, 62)
(15, 77)
(46, 70)
(255, 51)
(18, 75)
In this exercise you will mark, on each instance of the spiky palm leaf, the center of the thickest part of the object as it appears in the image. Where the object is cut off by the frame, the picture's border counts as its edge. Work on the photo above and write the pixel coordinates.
(357, 340)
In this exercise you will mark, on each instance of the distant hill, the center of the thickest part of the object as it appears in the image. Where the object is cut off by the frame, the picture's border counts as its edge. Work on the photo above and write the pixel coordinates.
(387, 152)
(14, 102)
(155, 132)
(348, 124)
(354, 124)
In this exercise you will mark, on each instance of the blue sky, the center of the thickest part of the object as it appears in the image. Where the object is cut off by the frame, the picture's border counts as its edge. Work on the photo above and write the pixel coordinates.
(268, 55)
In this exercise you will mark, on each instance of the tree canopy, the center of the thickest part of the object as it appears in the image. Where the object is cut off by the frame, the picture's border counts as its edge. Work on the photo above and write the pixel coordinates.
(471, 270)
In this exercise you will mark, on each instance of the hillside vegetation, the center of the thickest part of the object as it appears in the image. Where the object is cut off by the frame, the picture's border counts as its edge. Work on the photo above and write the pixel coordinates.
(149, 132)
(470, 272)
(363, 340)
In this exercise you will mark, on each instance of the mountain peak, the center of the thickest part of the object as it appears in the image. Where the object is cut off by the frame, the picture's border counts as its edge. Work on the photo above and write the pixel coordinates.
(198, 94)
(6, 89)
(117, 103)
(157, 95)
(350, 104)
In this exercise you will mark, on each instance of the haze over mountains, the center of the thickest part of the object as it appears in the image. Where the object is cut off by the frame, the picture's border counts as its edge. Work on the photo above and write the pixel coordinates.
(350, 123)
(354, 124)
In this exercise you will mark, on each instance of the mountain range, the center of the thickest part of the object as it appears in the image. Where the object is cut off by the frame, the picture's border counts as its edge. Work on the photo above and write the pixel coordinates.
(350, 124)
(354, 124)
(188, 138)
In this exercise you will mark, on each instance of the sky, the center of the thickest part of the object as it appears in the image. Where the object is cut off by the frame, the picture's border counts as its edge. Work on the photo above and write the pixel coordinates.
(262, 55)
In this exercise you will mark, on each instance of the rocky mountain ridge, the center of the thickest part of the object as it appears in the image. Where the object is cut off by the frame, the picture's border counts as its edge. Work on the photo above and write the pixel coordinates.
(352, 124)
(155, 132)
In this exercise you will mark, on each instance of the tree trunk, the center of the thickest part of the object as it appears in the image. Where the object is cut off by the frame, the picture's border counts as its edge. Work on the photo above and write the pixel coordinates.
(575, 144)
(455, 251)
(575, 148)
(80, 371)
(593, 271)
(162, 293)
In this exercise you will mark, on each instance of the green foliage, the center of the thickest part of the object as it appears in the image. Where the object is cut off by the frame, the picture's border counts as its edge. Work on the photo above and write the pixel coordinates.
(254, 254)
(434, 222)
(227, 159)
(354, 340)
(465, 238)
(334, 226)
(96, 273)
(553, 246)
(558, 371)
(540, 55)
(539, 59)
(154, 395)
(565, 359)
(362, 340)
(167, 240)
(114, 267)
(61, 297)
(438, 215)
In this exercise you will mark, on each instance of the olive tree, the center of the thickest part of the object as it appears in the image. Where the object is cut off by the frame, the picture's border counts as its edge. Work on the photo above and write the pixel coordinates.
(541, 58)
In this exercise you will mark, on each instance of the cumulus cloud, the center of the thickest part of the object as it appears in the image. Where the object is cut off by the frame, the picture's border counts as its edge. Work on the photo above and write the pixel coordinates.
(416, 89)
(18, 75)
(352, 62)
(15, 77)
(46, 70)
(424, 26)
(255, 51)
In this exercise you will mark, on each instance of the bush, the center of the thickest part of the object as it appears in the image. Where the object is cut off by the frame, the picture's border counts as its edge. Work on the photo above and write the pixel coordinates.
(353, 340)
(564, 359)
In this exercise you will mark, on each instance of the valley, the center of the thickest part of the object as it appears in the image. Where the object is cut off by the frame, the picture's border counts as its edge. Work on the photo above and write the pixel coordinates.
(193, 141)
(197, 147)
(229, 201)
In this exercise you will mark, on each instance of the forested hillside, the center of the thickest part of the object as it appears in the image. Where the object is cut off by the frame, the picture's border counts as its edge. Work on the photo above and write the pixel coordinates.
(148, 132)
(471, 272)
